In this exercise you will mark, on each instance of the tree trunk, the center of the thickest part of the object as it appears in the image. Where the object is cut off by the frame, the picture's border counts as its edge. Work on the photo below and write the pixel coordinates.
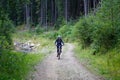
(55, 18)
(52, 12)
(94, 4)
(41, 13)
(85, 7)
(31, 20)
(88, 6)
(46, 14)
(66, 10)
(27, 16)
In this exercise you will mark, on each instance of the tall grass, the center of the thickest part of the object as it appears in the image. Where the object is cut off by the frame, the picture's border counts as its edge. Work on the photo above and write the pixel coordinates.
(42, 39)
(106, 64)
(16, 65)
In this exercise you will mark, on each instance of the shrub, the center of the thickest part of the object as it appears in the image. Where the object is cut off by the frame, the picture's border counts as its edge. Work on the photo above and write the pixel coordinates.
(105, 37)
(6, 28)
(50, 35)
(84, 30)
(92, 31)
(39, 30)
(16, 65)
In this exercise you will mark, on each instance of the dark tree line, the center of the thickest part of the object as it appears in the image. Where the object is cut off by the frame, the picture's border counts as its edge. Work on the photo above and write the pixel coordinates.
(46, 12)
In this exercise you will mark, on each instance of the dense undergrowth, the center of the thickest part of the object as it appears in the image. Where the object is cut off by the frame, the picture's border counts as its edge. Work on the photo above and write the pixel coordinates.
(16, 65)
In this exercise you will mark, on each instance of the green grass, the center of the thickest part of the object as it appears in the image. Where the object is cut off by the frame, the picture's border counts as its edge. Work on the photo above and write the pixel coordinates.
(107, 64)
(24, 36)
(16, 65)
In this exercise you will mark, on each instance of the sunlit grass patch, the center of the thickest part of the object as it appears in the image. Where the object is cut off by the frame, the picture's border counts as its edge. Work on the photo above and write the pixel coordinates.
(26, 36)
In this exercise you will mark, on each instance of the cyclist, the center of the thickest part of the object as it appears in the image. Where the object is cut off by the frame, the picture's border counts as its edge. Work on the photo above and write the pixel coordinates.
(59, 43)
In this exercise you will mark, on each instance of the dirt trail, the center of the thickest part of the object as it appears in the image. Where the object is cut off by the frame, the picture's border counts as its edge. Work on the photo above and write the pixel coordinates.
(67, 68)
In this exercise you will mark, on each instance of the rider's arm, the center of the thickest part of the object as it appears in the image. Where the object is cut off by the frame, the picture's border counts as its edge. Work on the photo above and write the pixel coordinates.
(62, 42)
(56, 42)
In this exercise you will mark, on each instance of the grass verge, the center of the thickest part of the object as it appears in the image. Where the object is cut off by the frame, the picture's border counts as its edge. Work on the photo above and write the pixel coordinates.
(107, 64)
(17, 65)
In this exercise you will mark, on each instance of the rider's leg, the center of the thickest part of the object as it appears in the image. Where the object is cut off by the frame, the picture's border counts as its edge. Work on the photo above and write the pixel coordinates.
(60, 49)
(57, 50)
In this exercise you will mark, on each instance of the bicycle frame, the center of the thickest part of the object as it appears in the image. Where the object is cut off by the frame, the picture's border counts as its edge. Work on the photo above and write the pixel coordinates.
(58, 52)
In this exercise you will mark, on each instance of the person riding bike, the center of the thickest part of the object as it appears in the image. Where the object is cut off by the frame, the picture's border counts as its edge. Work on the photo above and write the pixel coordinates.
(59, 43)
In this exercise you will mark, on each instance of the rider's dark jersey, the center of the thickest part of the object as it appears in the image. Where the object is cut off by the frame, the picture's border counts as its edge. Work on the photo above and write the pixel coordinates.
(59, 42)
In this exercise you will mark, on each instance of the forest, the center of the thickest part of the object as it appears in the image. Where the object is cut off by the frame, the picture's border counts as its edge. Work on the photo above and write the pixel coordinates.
(92, 26)
(46, 13)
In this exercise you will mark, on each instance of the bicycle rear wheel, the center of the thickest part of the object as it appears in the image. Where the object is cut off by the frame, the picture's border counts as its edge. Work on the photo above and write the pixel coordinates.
(59, 52)
(58, 56)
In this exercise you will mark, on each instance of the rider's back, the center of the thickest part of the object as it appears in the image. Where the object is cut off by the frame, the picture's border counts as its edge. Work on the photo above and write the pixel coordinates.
(59, 42)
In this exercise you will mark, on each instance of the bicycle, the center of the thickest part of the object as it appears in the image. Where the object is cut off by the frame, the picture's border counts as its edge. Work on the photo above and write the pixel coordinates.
(59, 51)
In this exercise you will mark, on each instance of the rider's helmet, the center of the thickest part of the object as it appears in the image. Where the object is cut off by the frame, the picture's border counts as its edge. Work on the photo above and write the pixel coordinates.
(59, 36)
